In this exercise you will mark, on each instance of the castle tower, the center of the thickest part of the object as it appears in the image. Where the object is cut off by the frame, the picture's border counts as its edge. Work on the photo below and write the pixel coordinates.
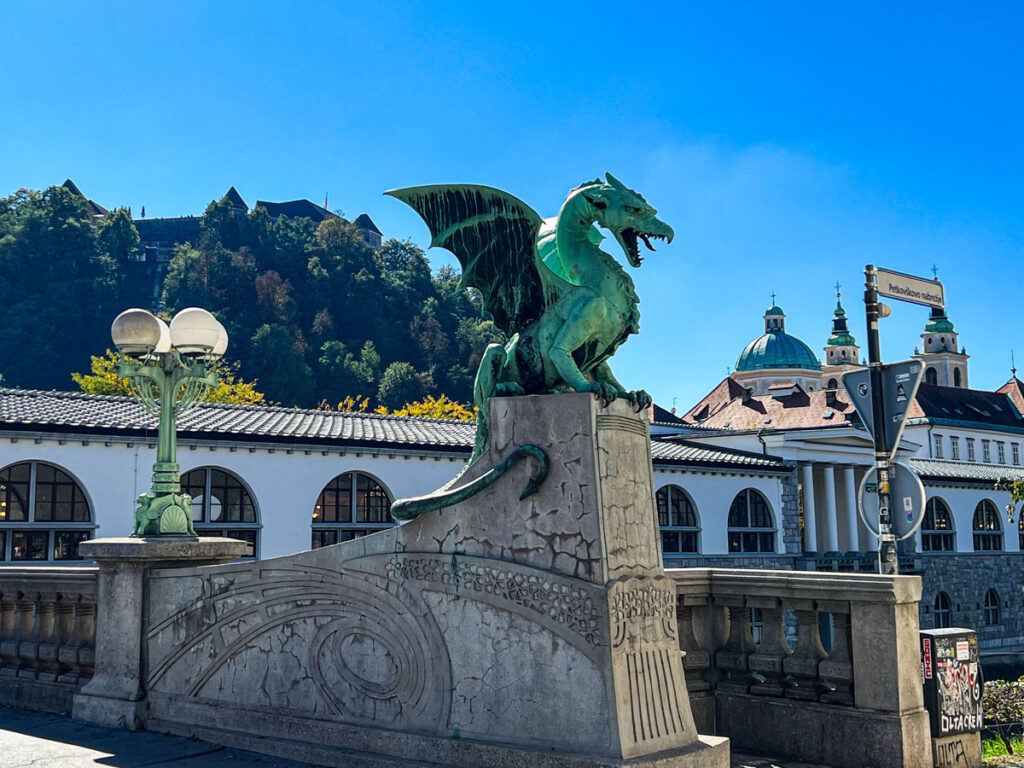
(841, 351)
(943, 364)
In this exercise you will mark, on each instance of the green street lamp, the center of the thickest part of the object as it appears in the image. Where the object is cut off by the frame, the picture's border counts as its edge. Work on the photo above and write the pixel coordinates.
(167, 368)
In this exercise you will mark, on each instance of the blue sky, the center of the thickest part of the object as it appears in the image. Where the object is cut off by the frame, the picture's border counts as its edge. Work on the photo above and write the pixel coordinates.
(788, 144)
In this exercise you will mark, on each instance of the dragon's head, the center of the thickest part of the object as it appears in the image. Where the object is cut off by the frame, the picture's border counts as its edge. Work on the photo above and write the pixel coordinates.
(626, 214)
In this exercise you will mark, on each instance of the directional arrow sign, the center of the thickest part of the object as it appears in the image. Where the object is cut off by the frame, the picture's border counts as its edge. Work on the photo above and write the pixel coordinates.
(907, 498)
(916, 290)
(899, 386)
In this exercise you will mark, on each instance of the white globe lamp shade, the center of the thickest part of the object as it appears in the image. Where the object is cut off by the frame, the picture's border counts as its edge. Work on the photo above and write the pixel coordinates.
(164, 345)
(194, 331)
(222, 342)
(135, 332)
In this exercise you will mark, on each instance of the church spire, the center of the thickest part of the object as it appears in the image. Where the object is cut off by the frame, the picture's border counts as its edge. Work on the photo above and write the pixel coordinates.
(841, 350)
(841, 336)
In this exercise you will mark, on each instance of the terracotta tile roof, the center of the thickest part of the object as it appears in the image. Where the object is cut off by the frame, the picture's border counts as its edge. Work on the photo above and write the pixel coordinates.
(724, 408)
(799, 410)
(1014, 389)
(719, 397)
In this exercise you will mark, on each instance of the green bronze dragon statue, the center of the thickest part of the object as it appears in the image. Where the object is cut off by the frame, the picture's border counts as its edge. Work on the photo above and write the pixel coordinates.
(563, 304)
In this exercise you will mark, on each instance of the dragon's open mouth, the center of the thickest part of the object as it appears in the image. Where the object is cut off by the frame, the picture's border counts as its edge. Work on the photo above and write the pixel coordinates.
(630, 243)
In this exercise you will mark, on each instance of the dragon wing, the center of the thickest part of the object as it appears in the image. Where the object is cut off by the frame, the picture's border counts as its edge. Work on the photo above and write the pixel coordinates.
(494, 237)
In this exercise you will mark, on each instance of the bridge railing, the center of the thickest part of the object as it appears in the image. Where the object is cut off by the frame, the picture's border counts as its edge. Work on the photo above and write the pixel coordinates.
(47, 635)
(817, 666)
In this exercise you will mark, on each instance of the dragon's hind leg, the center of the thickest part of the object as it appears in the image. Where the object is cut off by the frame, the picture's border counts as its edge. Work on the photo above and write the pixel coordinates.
(487, 375)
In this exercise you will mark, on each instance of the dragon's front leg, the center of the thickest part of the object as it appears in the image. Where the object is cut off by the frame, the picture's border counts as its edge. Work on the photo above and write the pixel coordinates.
(583, 325)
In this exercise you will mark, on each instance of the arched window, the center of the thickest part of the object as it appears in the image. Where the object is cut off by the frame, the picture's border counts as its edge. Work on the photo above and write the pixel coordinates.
(750, 523)
(942, 611)
(991, 607)
(988, 535)
(44, 513)
(931, 376)
(677, 518)
(937, 534)
(956, 377)
(832, 384)
(352, 505)
(221, 505)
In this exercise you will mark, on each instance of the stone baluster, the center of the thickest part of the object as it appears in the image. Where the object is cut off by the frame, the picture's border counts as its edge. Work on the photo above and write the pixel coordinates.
(24, 618)
(696, 659)
(801, 666)
(8, 603)
(731, 659)
(837, 670)
(49, 640)
(53, 667)
(766, 662)
(42, 629)
(77, 654)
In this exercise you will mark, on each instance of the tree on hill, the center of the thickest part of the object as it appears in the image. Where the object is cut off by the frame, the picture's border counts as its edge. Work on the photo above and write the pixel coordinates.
(399, 385)
(58, 288)
(231, 389)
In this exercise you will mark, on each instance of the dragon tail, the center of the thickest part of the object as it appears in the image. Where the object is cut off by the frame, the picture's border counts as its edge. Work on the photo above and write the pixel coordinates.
(409, 509)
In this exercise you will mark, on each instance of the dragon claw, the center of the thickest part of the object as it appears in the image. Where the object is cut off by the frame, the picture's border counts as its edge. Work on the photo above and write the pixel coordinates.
(640, 399)
(604, 391)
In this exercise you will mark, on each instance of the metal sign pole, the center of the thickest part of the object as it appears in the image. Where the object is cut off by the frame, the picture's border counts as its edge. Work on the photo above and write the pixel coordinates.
(887, 562)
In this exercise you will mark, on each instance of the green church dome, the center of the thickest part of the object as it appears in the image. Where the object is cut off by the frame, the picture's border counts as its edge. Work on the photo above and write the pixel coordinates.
(776, 350)
(775, 310)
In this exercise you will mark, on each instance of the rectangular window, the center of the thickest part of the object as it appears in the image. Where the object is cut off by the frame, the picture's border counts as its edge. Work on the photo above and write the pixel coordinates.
(65, 544)
(1001, 452)
(970, 449)
(29, 545)
(937, 542)
(954, 443)
(675, 542)
(1016, 453)
(986, 454)
(938, 446)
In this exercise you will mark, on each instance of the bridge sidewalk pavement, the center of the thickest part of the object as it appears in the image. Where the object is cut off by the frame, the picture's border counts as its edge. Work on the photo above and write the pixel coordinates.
(39, 740)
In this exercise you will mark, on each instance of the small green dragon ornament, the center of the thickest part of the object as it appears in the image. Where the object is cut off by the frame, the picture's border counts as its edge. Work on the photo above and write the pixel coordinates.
(564, 305)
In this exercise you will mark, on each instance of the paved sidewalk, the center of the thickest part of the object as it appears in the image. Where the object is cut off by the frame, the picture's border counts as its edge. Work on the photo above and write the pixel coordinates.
(39, 740)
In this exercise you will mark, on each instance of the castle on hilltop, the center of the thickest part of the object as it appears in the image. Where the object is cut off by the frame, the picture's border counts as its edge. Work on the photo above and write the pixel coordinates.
(159, 236)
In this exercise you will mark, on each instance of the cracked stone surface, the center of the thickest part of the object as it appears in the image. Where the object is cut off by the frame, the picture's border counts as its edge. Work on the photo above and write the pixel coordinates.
(544, 623)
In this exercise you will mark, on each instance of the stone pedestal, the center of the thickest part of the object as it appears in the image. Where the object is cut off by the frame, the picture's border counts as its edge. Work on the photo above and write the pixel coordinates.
(116, 695)
(495, 632)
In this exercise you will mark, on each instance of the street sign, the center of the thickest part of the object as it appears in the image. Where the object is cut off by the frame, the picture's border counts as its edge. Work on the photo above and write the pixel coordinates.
(916, 290)
(906, 494)
(899, 386)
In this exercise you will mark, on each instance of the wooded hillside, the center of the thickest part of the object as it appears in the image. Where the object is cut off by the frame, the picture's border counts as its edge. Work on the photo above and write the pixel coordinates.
(313, 313)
